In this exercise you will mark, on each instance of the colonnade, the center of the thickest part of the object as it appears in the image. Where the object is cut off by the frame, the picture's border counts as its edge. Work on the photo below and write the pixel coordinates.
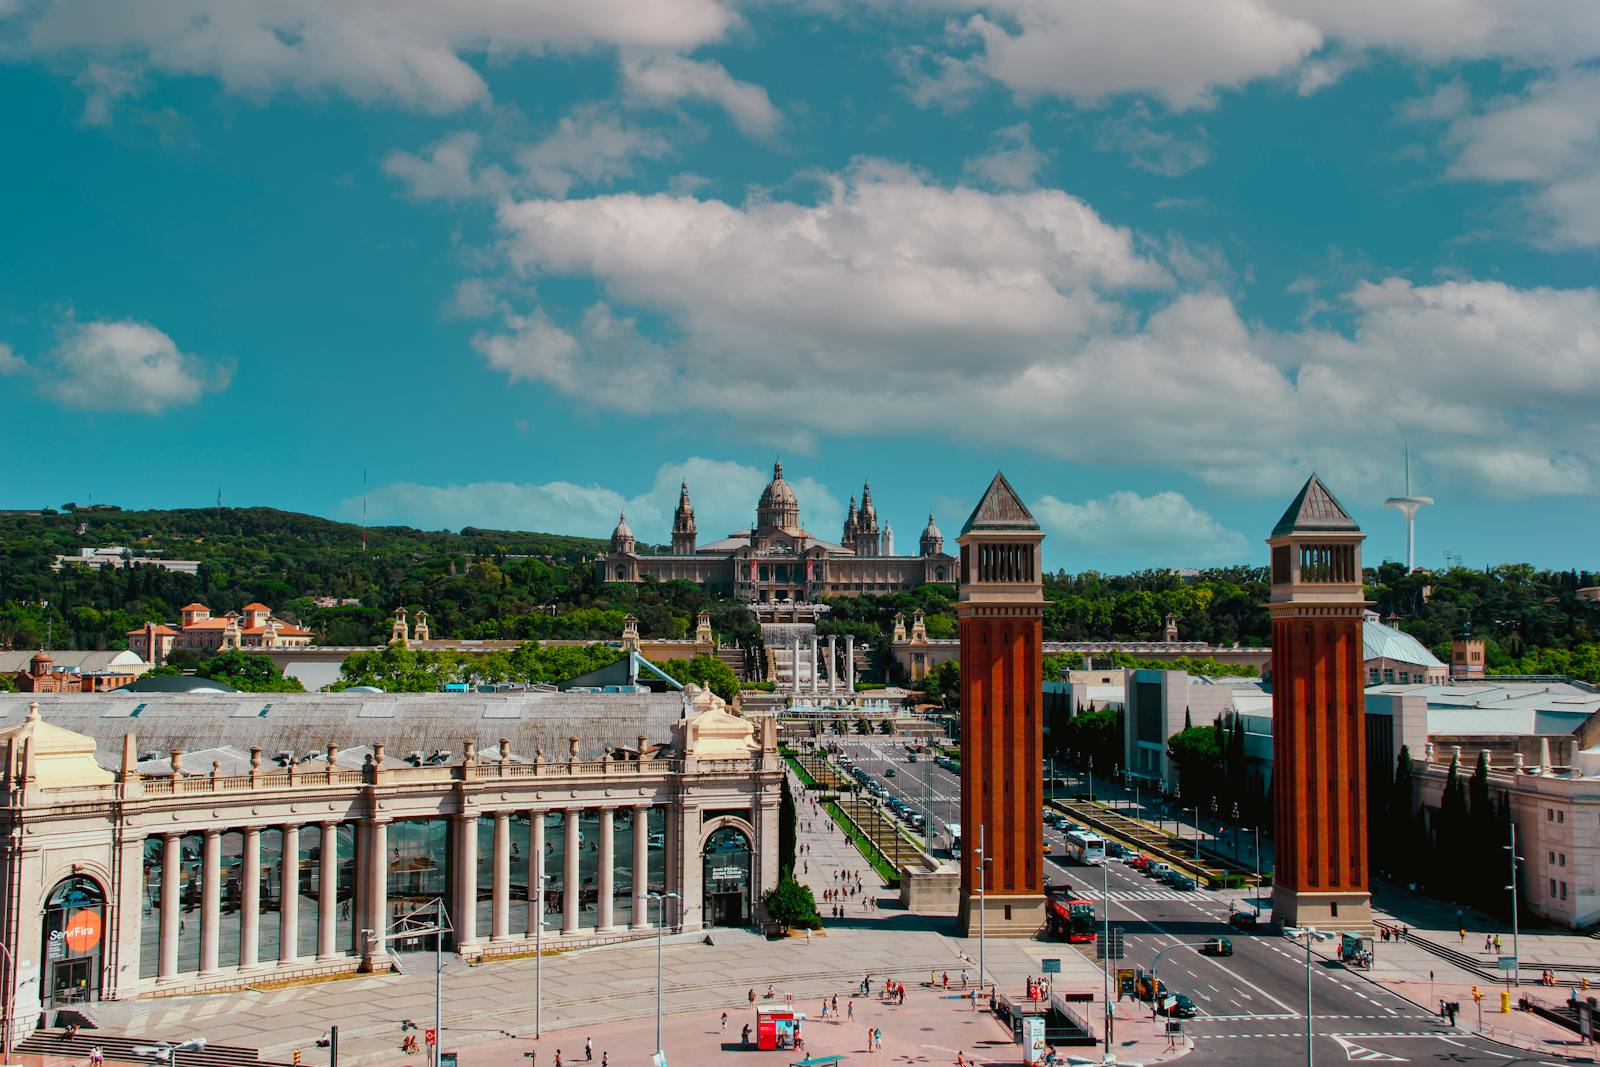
(371, 910)
(824, 672)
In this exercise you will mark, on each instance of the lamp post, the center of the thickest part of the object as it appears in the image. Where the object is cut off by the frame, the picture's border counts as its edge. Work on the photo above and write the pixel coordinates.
(1105, 956)
(5, 1010)
(1258, 871)
(983, 899)
(538, 949)
(1196, 810)
(1516, 974)
(661, 926)
(1309, 934)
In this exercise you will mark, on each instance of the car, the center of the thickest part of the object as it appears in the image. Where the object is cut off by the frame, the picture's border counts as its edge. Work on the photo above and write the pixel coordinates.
(1177, 1006)
(1243, 920)
(1061, 822)
(1216, 946)
(888, 772)
(911, 758)
(1183, 882)
(1117, 851)
(1138, 862)
(1158, 871)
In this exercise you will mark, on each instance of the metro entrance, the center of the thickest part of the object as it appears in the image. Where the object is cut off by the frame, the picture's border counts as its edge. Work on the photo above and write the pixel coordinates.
(727, 878)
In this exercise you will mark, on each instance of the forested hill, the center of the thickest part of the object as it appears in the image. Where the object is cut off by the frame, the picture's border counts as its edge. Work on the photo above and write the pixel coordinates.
(474, 584)
(511, 585)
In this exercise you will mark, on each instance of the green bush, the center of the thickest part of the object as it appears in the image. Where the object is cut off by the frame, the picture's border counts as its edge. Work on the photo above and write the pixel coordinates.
(789, 903)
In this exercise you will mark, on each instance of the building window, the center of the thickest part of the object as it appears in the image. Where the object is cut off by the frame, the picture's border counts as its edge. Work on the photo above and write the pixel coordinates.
(1552, 887)
(1563, 858)
(1563, 891)
(1405, 677)
(1549, 814)
(1388, 675)
(1561, 816)
(1372, 676)
(1552, 858)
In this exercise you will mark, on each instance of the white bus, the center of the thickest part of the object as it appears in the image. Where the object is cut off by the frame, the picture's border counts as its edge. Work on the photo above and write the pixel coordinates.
(954, 830)
(1084, 847)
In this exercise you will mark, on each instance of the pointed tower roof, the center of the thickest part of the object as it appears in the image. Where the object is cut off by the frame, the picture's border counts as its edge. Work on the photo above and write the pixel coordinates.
(1315, 510)
(1000, 509)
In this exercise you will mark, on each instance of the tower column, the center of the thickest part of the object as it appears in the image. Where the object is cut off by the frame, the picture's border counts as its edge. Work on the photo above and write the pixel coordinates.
(500, 926)
(171, 901)
(328, 892)
(641, 867)
(289, 899)
(210, 899)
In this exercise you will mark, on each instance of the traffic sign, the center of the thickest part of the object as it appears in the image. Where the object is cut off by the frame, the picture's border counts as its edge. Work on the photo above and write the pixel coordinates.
(1508, 963)
(430, 1036)
(1050, 966)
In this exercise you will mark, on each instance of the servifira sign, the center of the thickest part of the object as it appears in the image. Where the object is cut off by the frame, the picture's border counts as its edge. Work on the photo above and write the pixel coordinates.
(726, 874)
(78, 936)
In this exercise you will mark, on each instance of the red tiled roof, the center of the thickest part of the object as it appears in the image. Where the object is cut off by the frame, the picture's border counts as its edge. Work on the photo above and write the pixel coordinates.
(194, 607)
(256, 607)
(160, 629)
(209, 624)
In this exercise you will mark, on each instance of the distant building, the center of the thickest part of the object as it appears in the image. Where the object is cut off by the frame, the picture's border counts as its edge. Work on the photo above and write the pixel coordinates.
(778, 560)
(42, 673)
(116, 557)
(255, 627)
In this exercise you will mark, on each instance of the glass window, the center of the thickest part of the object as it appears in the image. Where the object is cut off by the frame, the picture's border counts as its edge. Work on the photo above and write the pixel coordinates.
(589, 867)
(485, 908)
(230, 847)
(189, 848)
(308, 884)
(345, 933)
(521, 892)
(150, 910)
(555, 848)
(419, 872)
(271, 895)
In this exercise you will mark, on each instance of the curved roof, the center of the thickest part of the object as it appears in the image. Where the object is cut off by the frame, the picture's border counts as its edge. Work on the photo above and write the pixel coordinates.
(931, 530)
(777, 493)
(177, 683)
(622, 529)
(1385, 642)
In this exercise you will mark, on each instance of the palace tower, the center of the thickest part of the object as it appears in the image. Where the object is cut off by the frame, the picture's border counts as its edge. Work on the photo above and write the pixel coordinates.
(1319, 763)
(1002, 729)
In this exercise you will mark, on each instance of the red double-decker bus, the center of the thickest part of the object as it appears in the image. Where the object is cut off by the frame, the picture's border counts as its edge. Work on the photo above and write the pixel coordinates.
(1071, 918)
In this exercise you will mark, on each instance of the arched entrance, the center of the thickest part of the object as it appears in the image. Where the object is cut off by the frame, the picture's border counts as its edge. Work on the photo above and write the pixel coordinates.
(727, 878)
(74, 925)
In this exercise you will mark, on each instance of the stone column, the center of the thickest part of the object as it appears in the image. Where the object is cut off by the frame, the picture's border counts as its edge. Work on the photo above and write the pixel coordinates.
(500, 927)
(535, 871)
(376, 891)
(569, 875)
(210, 900)
(814, 659)
(289, 909)
(171, 909)
(641, 867)
(850, 663)
(328, 893)
(833, 663)
(466, 917)
(794, 668)
(608, 866)
(250, 899)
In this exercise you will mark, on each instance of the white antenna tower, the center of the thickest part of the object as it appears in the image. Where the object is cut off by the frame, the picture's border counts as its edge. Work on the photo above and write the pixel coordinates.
(1408, 506)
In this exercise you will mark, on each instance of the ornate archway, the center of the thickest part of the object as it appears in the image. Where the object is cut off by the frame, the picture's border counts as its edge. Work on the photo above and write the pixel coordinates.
(74, 939)
(728, 875)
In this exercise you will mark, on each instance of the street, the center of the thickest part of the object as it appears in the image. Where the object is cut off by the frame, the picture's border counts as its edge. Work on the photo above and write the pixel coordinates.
(1251, 1004)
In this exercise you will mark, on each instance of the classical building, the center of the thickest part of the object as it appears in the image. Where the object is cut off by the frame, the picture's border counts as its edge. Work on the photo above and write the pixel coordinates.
(234, 841)
(71, 670)
(1319, 769)
(1001, 613)
(779, 560)
(252, 627)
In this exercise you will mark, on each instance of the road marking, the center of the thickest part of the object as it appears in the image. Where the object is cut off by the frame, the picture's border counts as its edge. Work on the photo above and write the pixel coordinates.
(1353, 1051)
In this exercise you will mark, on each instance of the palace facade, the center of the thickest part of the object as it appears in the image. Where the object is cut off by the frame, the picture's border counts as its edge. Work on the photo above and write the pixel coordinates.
(779, 560)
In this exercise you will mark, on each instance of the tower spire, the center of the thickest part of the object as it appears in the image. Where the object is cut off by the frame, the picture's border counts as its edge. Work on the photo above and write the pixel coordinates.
(1408, 506)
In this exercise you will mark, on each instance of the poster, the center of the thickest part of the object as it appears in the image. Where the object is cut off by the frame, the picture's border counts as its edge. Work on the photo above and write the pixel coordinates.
(1033, 1039)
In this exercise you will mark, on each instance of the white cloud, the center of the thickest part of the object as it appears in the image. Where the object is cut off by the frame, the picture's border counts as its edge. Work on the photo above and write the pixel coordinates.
(1012, 161)
(127, 366)
(1163, 525)
(1182, 52)
(667, 79)
(588, 146)
(1148, 148)
(414, 54)
(104, 84)
(724, 495)
(1013, 316)
(1548, 140)
(10, 362)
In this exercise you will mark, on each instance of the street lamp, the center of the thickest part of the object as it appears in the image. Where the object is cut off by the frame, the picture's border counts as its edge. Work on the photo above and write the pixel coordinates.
(538, 947)
(661, 926)
(983, 899)
(1309, 934)
(1196, 810)
(1516, 973)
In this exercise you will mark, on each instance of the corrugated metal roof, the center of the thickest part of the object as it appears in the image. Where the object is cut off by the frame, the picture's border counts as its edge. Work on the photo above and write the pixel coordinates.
(76, 659)
(1385, 642)
(308, 723)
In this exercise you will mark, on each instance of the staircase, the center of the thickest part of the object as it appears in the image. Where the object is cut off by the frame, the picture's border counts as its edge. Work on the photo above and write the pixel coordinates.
(56, 1043)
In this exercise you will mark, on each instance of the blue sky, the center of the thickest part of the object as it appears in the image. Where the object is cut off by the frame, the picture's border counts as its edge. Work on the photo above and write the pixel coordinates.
(526, 264)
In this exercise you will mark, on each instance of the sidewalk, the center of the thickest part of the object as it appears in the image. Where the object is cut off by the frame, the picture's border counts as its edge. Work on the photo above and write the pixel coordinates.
(1440, 921)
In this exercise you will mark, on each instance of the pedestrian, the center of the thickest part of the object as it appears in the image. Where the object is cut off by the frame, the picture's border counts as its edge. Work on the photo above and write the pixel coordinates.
(1497, 942)
(605, 1059)
(752, 994)
(1486, 942)
(947, 981)
(96, 1057)
(588, 1049)
(836, 1004)
(558, 1058)
(724, 1022)
(963, 979)
(744, 1036)
(933, 977)
(850, 1010)
(961, 1059)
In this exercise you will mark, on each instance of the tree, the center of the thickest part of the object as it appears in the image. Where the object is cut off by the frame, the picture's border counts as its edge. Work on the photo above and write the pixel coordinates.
(788, 828)
(708, 672)
(249, 671)
(790, 904)
(1198, 755)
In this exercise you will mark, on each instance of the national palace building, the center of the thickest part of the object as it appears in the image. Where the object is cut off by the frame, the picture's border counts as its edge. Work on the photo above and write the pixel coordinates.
(156, 844)
(777, 559)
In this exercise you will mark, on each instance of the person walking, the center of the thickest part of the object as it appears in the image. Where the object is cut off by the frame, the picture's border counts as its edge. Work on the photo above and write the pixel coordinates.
(724, 1022)
(850, 1010)
(588, 1049)
(558, 1058)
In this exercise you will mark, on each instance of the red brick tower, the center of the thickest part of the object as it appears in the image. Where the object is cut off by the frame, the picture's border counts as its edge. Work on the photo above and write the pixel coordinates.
(1002, 728)
(1319, 762)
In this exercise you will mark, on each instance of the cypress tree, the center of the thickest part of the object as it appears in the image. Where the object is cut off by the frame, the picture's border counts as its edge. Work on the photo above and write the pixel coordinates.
(1452, 835)
(1482, 845)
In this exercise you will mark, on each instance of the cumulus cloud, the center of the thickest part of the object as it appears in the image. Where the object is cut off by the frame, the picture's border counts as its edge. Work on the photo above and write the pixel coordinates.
(1012, 161)
(414, 54)
(1050, 328)
(724, 496)
(1162, 526)
(589, 146)
(1147, 147)
(1183, 52)
(10, 362)
(663, 79)
(1546, 140)
(127, 366)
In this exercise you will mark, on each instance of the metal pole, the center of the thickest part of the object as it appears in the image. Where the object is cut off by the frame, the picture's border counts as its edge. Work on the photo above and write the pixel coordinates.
(1091, 779)
(5, 1016)
(660, 927)
(333, 1045)
(438, 979)
(1308, 998)
(983, 900)
(538, 947)
(1516, 951)
(1105, 961)
(1257, 894)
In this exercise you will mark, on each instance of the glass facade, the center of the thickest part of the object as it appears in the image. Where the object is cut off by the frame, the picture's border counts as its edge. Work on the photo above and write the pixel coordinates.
(307, 885)
(485, 902)
(419, 871)
(555, 848)
(589, 868)
(231, 889)
(190, 846)
(521, 864)
(74, 927)
(150, 910)
(270, 937)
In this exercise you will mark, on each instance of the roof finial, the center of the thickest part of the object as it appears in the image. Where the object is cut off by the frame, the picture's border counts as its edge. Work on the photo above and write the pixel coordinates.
(33, 711)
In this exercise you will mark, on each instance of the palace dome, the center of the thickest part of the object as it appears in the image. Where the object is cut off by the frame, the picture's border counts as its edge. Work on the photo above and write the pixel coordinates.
(778, 505)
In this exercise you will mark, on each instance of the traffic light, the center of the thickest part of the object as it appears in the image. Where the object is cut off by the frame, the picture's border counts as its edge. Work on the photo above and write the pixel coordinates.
(1477, 996)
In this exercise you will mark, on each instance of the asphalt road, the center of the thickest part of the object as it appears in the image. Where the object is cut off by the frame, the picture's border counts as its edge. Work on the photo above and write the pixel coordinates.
(1252, 1005)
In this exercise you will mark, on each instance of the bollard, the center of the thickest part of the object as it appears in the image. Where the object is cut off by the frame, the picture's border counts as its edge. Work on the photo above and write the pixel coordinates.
(1505, 1002)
